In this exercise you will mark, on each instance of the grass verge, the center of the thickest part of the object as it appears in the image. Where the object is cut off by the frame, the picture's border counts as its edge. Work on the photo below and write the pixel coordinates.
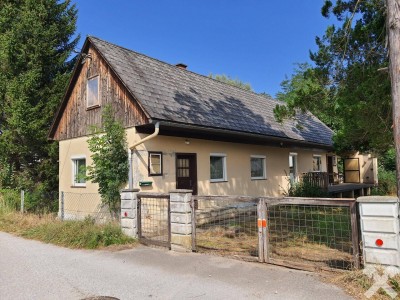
(356, 283)
(84, 234)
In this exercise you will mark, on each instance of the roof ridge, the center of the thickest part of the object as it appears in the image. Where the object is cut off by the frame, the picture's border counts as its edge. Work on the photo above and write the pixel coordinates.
(186, 70)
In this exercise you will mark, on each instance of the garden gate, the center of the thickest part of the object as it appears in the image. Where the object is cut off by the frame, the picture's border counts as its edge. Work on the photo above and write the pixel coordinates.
(154, 225)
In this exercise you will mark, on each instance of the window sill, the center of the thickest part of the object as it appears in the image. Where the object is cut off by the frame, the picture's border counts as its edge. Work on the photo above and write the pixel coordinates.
(78, 186)
(218, 180)
(258, 178)
(93, 107)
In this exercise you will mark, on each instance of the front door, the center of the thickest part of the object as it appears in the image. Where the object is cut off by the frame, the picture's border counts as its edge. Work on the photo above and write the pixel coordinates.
(186, 172)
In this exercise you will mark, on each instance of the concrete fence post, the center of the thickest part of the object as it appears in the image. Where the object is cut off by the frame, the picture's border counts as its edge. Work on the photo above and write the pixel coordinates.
(181, 220)
(22, 200)
(129, 221)
(379, 218)
(62, 207)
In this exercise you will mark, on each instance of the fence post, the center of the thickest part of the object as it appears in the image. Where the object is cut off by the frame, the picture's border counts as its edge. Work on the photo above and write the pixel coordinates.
(380, 231)
(22, 200)
(62, 207)
(265, 231)
(181, 220)
(354, 234)
(260, 230)
(129, 216)
(193, 207)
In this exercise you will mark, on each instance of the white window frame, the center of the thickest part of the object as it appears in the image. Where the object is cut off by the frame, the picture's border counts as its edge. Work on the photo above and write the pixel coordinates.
(320, 165)
(97, 77)
(295, 167)
(224, 169)
(74, 159)
(160, 155)
(264, 158)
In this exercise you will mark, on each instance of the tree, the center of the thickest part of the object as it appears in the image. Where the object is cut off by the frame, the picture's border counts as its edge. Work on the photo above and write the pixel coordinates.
(393, 30)
(110, 159)
(36, 42)
(234, 82)
(354, 91)
(306, 91)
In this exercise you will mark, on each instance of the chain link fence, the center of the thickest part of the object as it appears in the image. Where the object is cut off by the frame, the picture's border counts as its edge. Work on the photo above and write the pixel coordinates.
(78, 206)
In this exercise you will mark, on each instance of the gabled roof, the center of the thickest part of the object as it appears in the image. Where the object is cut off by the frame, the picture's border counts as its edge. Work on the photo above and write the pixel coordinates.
(168, 93)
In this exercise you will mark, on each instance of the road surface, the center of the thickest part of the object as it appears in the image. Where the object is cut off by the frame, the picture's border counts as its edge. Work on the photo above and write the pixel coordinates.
(34, 270)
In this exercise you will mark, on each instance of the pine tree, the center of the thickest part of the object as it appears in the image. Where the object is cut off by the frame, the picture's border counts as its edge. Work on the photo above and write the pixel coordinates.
(36, 42)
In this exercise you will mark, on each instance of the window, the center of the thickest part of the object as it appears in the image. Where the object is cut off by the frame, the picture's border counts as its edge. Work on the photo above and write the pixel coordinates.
(79, 172)
(217, 167)
(93, 91)
(258, 167)
(293, 167)
(317, 163)
(155, 163)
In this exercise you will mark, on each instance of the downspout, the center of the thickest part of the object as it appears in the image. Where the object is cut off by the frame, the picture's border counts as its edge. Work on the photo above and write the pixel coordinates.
(153, 135)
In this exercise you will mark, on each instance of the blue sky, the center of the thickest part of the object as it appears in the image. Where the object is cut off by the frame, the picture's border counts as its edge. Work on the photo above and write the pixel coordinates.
(256, 41)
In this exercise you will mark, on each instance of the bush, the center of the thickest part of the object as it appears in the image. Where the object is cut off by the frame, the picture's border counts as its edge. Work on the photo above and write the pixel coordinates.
(41, 201)
(387, 183)
(305, 189)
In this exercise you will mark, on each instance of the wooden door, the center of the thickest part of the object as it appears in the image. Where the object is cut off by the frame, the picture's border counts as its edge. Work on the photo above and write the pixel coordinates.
(351, 168)
(186, 172)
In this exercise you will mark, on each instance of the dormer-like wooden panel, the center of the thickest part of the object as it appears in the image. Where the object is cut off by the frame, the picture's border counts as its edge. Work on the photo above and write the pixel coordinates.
(75, 117)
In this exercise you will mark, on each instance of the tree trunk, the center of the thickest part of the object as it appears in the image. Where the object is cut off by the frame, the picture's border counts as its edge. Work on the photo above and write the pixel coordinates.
(393, 34)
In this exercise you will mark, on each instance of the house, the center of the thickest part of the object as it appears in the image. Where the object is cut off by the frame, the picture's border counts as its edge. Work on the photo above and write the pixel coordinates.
(184, 130)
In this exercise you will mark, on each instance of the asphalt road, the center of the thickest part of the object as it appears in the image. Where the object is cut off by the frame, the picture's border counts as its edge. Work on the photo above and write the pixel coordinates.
(34, 270)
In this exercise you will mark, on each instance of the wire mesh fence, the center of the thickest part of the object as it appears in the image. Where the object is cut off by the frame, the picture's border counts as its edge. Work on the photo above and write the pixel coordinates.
(154, 219)
(226, 226)
(78, 206)
(316, 235)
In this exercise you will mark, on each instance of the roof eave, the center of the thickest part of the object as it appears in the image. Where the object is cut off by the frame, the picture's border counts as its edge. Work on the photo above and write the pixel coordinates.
(281, 141)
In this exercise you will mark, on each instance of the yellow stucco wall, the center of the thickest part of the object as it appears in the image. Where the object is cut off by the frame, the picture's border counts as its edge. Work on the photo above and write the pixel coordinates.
(238, 155)
(368, 166)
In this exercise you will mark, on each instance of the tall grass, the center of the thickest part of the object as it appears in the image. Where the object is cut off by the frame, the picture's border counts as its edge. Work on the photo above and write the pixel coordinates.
(9, 200)
(47, 228)
(73, 234)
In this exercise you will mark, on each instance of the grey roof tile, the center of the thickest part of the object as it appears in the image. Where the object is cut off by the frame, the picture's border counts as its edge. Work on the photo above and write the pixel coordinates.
(169, 93)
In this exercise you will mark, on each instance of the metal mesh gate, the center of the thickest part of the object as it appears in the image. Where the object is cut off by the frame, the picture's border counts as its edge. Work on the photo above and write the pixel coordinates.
(154, 219)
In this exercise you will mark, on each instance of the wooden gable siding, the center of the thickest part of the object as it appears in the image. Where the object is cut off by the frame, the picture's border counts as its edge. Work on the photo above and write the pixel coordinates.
(77, 119)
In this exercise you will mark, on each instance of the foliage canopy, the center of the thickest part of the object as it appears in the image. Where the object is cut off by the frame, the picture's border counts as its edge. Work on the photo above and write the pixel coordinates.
(36, 41)
(346, 87)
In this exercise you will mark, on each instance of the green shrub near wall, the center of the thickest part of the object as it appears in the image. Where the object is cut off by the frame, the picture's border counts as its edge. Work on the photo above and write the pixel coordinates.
(305, 189)
(387, 183)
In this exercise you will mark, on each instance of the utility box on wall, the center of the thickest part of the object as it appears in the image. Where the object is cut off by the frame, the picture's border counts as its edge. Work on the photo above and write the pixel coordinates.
(379, 218)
